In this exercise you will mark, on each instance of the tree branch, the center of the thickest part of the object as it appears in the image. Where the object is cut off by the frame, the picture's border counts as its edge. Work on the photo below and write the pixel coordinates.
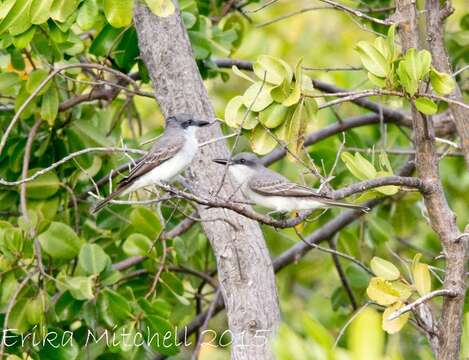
(446, 344)
(420, 301)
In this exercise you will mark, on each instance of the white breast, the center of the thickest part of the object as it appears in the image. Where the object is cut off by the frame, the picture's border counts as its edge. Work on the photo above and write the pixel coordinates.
(170, 168)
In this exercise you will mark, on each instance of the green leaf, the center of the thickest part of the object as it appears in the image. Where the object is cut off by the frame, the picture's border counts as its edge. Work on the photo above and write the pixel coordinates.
(18, 320)
(424, 60)
(61, 346)
(119, 12)
(60, 241)
(294, 97)
(5, 7)
(162, 8)
(17, 21)
(359, 167)
(39, 12)
(36, 77)
(413, 68)
(36, 308)
(113, 307)
(137, 245)
(357, 276)
(93, 259)
(257, 97)
(373, 60)
(394, 326)
(8, 81)
(21, 41)
(126, 51)
(382, 291)
(261, 141)
(378, 81)
(62, 9)
(391, 43)
(441, 82)
(276, 70)
(145, 222)
(88, 14)
(274, 115)
(43, 186)
(160, 327)
(80, 287)
(426, 106)
(384, 269)
(50, 105)
(106, 39)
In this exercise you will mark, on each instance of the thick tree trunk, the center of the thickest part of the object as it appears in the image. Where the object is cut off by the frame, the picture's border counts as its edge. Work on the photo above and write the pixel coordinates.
(442, 219)
(244, 265)
(436, 42)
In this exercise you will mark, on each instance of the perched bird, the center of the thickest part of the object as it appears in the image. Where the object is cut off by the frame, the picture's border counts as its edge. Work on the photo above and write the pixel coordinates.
(271, 190)
(170, 155)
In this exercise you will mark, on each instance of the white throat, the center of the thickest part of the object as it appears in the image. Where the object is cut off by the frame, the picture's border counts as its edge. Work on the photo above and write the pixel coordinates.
(242, 173)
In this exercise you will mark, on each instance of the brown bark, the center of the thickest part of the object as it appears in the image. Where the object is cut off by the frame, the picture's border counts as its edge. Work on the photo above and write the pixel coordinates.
(244, 265)
(446, 341)
(436, 41)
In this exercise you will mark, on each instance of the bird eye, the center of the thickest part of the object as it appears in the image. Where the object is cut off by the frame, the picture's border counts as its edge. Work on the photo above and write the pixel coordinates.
(242, 161)
(189, 122)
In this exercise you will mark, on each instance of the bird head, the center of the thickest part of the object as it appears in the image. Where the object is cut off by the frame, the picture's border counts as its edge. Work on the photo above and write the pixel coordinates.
(245, 159)
(185, 122)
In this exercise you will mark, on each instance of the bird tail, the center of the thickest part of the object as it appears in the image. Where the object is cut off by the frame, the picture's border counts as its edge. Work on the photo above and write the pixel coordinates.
(344, 204)
(102, 203)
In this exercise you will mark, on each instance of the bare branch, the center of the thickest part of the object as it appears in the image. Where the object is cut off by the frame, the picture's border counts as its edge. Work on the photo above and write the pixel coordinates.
(420, 301)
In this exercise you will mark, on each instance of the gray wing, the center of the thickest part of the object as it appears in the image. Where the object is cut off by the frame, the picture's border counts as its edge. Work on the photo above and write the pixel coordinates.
(165, 148)
(269, 183)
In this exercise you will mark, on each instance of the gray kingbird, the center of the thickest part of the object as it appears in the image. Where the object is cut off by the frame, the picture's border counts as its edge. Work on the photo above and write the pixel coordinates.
(170, 155)
(271, 190)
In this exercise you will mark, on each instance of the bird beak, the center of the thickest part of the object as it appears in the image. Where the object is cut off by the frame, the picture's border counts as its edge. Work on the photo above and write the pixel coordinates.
(222, 161)
(202, 123)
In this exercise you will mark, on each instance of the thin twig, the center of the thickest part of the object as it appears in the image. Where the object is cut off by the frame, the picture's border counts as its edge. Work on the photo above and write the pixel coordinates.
(419, 301)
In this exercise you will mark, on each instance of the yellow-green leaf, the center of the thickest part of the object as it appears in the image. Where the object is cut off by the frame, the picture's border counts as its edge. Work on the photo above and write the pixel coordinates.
(365, 336)
(365, 166)
(261, 141)
(295, 95)
(62, 9)
(422, 278)
(39, 12)
(88, 14)
(295, 130)
(426, 106)
(118, 12)
(50, 105)
(276, 70)
(373, 60)
(274, 115)
(394, 326)
(404, 290)
(382, 291)
(238, 72)
(384, 269)
(17, 20)
(257, 97)
(43, 186)
(441, 82)
(162, 8)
